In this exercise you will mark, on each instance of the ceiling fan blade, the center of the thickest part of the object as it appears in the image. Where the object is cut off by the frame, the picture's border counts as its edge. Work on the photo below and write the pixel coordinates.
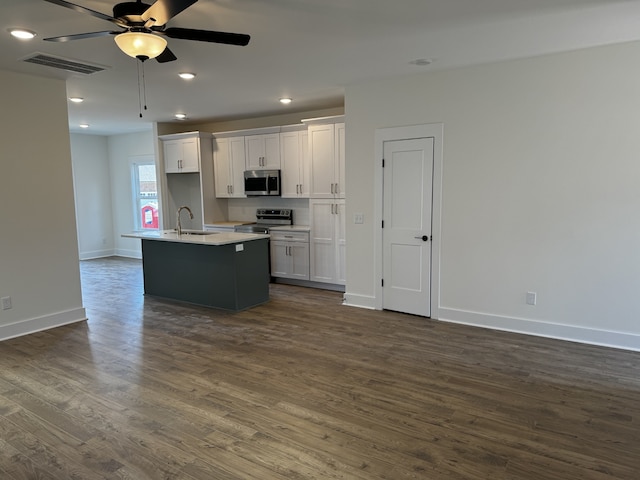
(78, 8)
(164, 10)
(207, 36)
(166, 56)
(79, 36)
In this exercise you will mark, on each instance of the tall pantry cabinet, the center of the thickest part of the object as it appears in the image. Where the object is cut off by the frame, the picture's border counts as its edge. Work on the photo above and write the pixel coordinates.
(327, 205)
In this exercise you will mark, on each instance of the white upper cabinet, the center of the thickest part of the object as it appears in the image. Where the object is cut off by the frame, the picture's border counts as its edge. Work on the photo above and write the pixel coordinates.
(327, 160)
(262, 151)
(229, 162)
(294, 161)
(182, 155)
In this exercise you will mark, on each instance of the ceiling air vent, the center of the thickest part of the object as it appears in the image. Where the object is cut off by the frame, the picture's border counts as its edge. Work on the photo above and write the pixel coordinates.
(62, 63)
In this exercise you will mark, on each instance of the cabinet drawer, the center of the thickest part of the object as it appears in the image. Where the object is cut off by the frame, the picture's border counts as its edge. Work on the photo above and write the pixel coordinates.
(289, 236)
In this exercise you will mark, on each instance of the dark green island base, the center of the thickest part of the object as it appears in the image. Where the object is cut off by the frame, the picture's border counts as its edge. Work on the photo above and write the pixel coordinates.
(234, 276)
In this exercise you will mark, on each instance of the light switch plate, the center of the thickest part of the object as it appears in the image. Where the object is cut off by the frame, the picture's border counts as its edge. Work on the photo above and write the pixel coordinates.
(6, 303)
(531, 298)
(358, 218)
(239, 247)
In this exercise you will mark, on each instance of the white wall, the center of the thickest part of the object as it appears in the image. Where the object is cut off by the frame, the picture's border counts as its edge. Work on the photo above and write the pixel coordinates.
(92, 185)
(540, 190)
(38, 248)
(121, 149)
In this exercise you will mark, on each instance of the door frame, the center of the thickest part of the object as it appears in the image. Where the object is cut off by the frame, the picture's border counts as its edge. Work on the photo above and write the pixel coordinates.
(435, 131)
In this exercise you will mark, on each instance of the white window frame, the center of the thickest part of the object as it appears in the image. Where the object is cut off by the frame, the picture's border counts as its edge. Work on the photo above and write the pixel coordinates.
(134, 163)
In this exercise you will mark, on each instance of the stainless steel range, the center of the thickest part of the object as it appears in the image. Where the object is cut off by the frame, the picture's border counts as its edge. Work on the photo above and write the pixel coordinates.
(266, 218)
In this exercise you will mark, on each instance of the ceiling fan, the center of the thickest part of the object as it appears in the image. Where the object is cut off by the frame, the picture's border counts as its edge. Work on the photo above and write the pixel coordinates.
(143, 27)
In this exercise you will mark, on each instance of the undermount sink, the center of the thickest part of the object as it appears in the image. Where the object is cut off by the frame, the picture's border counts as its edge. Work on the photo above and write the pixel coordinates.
(195, 232)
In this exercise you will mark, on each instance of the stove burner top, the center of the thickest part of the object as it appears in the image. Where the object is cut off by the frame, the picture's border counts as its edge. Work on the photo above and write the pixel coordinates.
(267, 217)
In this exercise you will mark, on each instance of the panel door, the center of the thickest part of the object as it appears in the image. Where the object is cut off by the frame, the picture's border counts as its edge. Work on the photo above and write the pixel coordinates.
(341, 241)
(279, 259)
(190, 155)
(340, 165)
(237, 156)
(408, 185)
(172, 156)
(322, 241)
(290, 164)
(222, 168)
(299, 257)
(321, 155)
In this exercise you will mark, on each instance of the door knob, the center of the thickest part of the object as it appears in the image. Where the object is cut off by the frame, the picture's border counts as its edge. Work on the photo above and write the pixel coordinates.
(424, 238)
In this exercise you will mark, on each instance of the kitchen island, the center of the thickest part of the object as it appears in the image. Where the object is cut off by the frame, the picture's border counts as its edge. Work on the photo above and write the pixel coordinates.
(221, 270)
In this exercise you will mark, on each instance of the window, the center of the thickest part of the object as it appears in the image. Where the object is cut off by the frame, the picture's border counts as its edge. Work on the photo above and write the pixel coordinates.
(145, 194)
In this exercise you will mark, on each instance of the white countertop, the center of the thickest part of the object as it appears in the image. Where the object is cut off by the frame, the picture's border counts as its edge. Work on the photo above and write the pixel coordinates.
(211, 238)
(228, 223)
(289, 228)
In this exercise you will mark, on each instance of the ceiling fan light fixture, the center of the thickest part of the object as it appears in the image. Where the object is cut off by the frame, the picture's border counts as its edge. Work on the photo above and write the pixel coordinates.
(141, 44)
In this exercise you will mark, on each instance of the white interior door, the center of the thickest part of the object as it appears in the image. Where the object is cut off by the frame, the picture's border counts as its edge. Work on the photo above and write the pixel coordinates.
(406, 236)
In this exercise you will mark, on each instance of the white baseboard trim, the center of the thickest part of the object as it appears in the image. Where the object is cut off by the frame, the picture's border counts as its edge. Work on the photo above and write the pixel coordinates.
(361, 301)
(25, 327)
(96, 254)
(122, 252)
(571, 333)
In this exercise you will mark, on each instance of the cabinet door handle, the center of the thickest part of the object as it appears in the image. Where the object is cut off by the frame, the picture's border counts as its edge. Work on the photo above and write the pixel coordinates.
(337, 189)
(332, 189)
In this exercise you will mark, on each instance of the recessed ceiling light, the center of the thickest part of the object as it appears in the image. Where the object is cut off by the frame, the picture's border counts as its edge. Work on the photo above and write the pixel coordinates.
(421, 62)
(22, 33)
(181, 116)
(84, 125)
(285, 101)
(76, 99)
(187, 75)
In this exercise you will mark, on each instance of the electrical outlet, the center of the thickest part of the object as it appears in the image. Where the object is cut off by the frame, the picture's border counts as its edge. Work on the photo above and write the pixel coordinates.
(6, 303)
(531, 298)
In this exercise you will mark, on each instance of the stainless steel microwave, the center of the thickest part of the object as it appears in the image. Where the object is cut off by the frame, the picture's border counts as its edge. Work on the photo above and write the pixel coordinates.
(261, 182)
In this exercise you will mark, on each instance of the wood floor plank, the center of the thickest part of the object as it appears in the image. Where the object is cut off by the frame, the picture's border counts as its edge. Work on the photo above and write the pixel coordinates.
(304, 387)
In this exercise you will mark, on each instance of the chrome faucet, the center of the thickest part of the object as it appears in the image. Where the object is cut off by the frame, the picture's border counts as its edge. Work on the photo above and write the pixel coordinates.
(179, 225)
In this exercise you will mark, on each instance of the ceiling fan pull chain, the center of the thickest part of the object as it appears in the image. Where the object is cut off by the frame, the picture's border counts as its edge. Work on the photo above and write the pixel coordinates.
(139, 95)
(144, 85)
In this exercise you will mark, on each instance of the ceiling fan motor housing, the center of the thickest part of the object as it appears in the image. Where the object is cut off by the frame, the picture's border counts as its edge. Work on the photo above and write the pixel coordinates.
(130, 12)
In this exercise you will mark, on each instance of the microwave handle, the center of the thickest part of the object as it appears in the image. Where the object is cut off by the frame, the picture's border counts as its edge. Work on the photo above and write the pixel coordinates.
(268, 177)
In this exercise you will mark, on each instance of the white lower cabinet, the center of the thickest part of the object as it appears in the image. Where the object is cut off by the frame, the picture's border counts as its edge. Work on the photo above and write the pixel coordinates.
(289, 254)
(327, 241)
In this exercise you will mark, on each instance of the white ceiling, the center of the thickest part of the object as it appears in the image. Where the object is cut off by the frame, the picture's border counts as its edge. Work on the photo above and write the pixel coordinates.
(306, 49)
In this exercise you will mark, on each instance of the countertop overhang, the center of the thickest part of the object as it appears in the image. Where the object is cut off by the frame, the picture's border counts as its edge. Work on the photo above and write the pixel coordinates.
(197, 236)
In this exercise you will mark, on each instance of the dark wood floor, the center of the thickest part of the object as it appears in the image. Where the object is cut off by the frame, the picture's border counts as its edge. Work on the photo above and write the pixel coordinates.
(305, 388)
